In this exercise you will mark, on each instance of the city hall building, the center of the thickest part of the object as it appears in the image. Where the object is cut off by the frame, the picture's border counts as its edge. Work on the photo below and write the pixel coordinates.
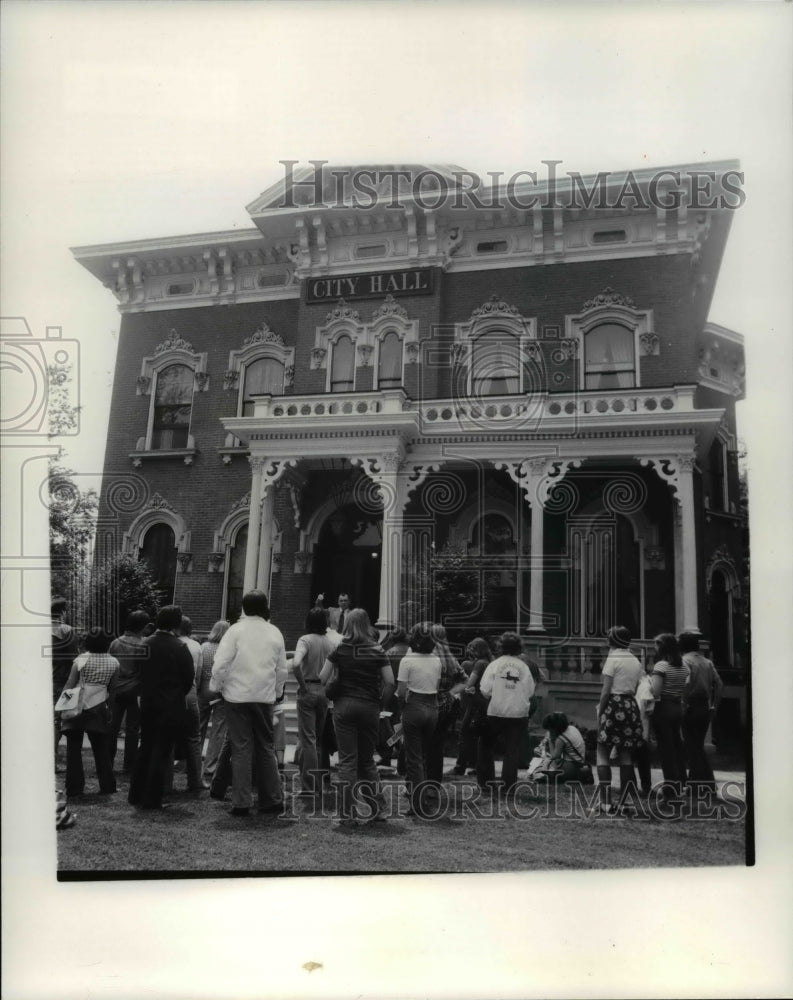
(505, 413)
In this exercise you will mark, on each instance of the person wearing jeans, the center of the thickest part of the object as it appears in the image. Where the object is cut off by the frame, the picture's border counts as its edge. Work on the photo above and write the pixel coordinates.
(249, 671)
(508, 684)
(311, 651)
(417, 687)
(364, 681)
(704, 694)
(670, 680)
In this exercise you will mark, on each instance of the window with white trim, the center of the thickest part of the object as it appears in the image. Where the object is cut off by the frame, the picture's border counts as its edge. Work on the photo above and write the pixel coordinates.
(158, 551)
(389, 363)
(342, 365)
(172, 407)
(495, 367)
(610, 357)
(261, 376)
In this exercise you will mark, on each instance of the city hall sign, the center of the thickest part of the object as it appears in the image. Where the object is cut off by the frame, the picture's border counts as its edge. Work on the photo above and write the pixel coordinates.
(417, 281)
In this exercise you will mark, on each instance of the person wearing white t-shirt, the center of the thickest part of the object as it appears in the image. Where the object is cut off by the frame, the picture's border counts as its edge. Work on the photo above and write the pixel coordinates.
(508, 684)
(619, 720)
(417, 686)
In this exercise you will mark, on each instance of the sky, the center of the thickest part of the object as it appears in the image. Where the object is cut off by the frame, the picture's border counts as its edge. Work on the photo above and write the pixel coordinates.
(133, 120)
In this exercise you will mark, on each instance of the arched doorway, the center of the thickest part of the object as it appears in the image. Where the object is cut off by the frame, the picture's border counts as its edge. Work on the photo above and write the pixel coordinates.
(236, 574)
(158, 551)
(720, 620)
(347, 558)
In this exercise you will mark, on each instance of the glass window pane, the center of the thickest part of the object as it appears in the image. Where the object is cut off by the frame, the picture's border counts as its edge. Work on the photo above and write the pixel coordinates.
(496, 364)
(389, 371)
(342, 372)
(174, 385)
(266, 375)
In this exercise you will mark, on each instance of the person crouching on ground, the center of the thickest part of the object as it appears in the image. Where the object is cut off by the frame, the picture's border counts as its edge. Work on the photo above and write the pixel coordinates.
(562, 752)
(508, 684)
(249, 671)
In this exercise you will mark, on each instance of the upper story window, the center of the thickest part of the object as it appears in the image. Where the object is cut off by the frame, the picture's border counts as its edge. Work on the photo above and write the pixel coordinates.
(264, 365)
(389, 364)
(342, 365)
(494, 350)
(611, 339)
(173, 403)
(262, 376)
(171, 376)
(496, 364)
(387, 343)
(610, 357)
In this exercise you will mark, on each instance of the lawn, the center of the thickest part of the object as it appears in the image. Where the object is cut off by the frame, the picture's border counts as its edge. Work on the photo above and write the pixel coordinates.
(197, 835)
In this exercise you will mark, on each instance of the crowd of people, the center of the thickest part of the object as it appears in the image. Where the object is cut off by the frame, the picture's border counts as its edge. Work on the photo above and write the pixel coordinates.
(367, 698)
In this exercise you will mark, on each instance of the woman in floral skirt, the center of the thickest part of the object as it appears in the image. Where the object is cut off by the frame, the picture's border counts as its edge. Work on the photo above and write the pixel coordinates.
(619, 721)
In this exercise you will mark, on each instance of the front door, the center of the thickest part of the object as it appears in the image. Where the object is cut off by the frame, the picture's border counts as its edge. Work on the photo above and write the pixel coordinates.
(347, 559)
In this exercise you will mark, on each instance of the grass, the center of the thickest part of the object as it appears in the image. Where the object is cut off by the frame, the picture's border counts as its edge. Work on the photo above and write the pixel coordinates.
(197, 835)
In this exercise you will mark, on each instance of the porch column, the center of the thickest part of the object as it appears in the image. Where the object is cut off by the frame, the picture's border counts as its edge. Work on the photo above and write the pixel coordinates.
(265, 542)
(254, 523)
(688, 542)
(536, 503)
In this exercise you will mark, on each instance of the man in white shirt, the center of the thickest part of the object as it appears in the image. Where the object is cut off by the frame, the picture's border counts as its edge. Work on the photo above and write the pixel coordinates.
(249, 671)
(508, 683)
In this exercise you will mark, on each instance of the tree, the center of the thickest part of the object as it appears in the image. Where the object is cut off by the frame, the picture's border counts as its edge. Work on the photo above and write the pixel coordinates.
(119, 585)
(447, 587)
(72, 516)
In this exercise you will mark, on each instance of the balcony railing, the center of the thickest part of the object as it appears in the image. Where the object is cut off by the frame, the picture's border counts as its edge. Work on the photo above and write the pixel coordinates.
(470, 413)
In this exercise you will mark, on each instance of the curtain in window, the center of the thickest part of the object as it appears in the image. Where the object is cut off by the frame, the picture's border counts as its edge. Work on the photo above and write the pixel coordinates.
(236, 575)
(610, 357)
(496, 364)
(342, 371)
(266, 375)
(389, 369)
(173, 399)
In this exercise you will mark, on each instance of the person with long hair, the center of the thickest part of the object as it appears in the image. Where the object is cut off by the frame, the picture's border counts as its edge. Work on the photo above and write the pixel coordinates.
(210, 704)
(97, 671)
(418, 679)
(619, 721)
(669, 680)
(364, 682)
(450, 687)
(311, 651)
(477, 656)
(395, 645)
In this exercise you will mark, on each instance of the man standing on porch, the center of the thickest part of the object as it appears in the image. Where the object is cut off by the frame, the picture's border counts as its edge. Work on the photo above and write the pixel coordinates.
(249, 671)
(337, 617)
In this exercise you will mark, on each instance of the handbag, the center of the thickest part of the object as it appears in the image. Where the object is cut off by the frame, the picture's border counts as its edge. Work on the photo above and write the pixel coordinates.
(70, 703)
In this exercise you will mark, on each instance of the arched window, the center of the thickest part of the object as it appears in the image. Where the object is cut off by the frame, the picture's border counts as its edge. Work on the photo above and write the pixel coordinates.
(389, 365)
(236, 574)
(495, 364)
(342, 370)
(173, 401)
(610, 358)
(158, 551)
(265, 375)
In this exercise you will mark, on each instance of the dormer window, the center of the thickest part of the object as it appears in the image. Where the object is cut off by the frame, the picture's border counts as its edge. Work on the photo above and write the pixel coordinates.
(342, 367)
(610, 357)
